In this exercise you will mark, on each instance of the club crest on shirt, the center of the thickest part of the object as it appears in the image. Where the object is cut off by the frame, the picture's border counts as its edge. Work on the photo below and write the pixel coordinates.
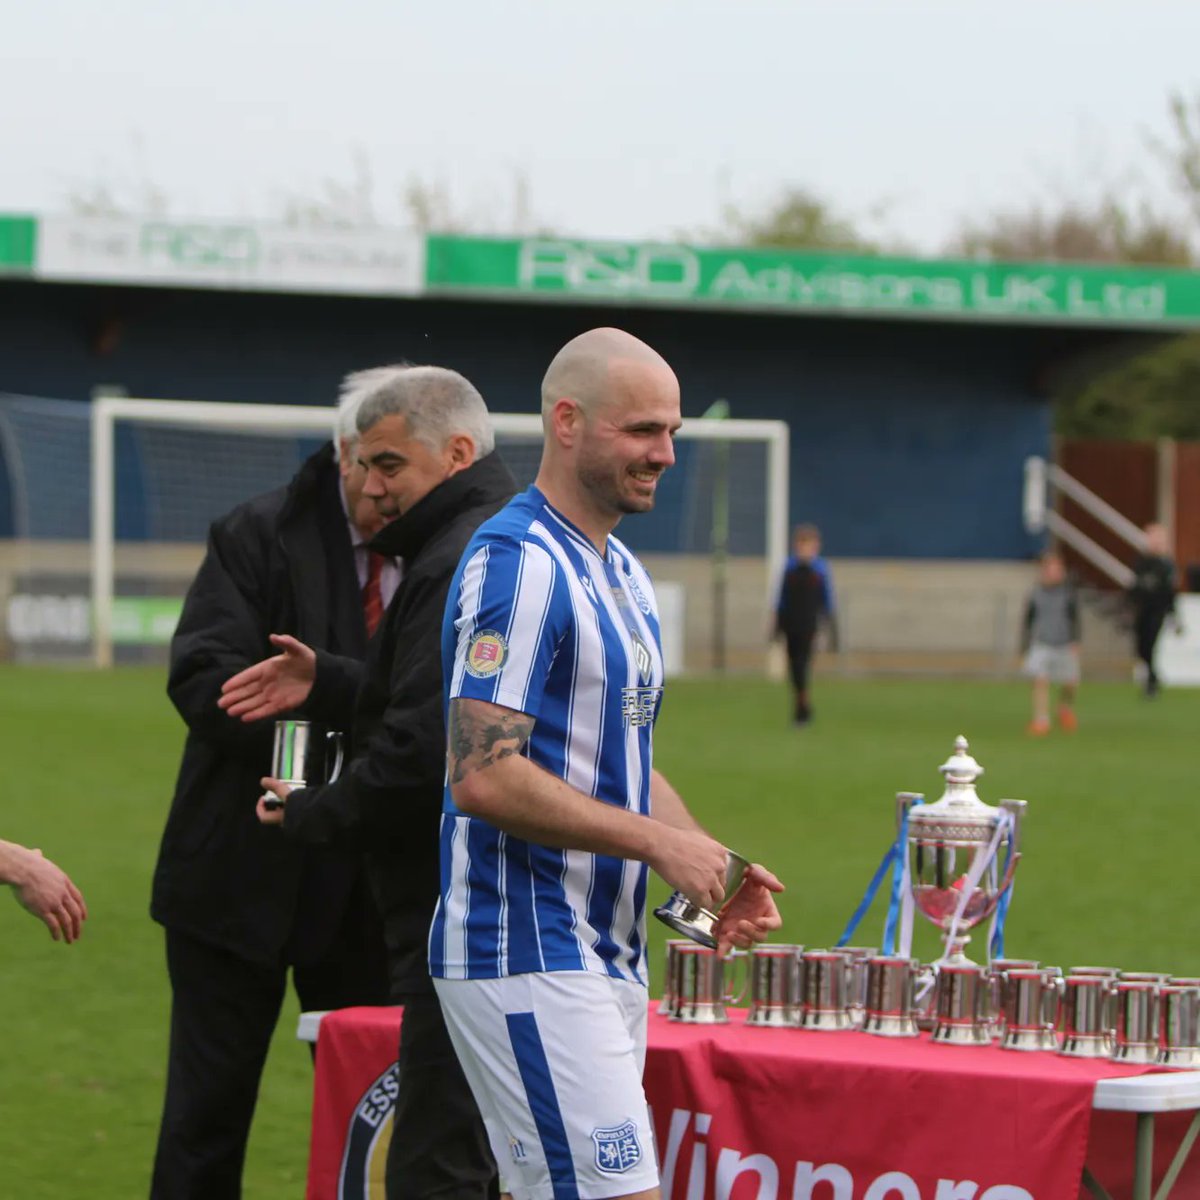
(617, 1149)
(486, 653)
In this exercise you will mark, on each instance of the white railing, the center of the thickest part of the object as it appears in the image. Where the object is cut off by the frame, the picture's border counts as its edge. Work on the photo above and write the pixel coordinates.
(1042, 476)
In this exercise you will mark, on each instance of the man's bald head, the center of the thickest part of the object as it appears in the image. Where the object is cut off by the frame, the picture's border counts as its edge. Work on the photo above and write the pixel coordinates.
(587, 367)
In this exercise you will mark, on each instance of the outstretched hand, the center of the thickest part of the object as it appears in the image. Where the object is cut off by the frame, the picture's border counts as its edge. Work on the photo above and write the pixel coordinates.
(750, 913)
(273, 686)
(45, 890)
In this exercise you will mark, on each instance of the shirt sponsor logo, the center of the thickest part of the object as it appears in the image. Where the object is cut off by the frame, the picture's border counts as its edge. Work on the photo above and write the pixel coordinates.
(486, 654)
(639, 704)
(617, 1149)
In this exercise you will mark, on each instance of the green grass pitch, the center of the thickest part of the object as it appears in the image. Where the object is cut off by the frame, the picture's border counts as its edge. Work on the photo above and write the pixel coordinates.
(1109, 874)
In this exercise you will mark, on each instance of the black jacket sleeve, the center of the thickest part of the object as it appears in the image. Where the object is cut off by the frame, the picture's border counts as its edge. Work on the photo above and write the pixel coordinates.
(222, 630)
(404, 763)
(334, 689)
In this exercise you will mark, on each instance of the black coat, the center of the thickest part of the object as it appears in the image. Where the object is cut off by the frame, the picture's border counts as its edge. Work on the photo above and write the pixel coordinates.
(280, 563)
(389, 800)
(1154, 587)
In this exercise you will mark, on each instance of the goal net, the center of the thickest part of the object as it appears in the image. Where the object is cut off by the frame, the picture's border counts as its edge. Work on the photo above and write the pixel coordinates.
(158, 472)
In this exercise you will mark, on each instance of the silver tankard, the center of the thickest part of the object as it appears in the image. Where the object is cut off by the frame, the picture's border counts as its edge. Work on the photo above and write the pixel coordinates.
(962, 1003)
(999, 968)
(693, 920)
(297, 756)
(826, 981)
(666, 1006)
(1135, 1037)
(699, 991)
(1179, 1045)
(890, 1004)
(1084, 1016)
(775, 977)
(1031, 999)
(856, 988)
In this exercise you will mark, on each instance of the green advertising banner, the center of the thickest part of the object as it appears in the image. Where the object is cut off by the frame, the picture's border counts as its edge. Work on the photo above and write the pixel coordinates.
(145, 620)
(651, 273)
(18, 243)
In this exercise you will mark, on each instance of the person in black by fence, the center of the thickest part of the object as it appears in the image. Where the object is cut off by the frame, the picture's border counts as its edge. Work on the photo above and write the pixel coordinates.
(805, 602)
(1153, 599)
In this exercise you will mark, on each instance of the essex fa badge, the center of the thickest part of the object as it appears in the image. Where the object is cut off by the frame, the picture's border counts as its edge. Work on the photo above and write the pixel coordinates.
(617, 1149)
(367, 1139)
(486, 654)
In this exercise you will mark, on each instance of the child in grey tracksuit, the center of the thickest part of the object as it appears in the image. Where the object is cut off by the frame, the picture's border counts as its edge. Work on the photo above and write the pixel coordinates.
(1050, 641)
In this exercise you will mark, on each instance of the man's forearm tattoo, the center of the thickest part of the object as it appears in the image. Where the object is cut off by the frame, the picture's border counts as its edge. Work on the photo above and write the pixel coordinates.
(477, 740)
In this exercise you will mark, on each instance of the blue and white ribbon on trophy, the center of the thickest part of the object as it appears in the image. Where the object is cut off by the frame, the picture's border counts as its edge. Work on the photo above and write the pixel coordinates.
(896, 858)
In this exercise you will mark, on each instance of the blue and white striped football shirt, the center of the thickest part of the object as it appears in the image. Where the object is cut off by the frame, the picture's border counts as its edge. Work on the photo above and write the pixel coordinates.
(539, 622)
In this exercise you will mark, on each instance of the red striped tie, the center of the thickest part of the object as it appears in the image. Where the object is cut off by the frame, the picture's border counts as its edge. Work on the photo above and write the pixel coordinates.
(372, 593)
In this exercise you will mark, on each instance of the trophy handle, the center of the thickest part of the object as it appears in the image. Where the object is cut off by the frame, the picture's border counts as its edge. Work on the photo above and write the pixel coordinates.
(339, 753)
(905, 801)
(1017, 809)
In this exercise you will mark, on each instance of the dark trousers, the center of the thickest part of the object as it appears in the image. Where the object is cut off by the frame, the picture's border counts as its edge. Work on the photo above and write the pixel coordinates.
(223, 1013)
(1146, 628)
(799, 652)
(439, 1146)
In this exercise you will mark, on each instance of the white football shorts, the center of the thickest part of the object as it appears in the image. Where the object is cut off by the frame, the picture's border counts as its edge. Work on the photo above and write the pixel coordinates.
(555, 1063)
(1059, 664)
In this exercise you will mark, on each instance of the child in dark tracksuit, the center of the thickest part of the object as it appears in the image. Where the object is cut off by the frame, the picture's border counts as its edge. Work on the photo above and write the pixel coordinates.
(805, 601)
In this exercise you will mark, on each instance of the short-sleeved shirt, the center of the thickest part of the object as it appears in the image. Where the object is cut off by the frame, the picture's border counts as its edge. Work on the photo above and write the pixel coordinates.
(538, 621)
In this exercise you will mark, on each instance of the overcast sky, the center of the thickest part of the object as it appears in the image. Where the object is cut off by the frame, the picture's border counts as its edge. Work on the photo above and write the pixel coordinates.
(628, 118)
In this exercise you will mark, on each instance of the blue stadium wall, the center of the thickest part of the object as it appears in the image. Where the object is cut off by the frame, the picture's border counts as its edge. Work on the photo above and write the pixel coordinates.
(907, 438)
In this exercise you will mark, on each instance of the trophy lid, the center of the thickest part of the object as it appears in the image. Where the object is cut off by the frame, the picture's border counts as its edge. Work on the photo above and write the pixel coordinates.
(960, 816)
(960, 767)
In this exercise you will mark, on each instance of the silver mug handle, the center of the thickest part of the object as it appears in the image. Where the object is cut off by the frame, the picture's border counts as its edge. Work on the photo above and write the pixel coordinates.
(1054, 990)
(730, 995)
(339, 753)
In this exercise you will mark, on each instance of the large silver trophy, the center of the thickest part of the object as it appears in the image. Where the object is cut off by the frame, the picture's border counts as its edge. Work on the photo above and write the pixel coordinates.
(949, 844)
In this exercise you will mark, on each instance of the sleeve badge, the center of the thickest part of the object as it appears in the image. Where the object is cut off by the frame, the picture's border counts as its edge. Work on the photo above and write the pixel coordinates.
(486, 654)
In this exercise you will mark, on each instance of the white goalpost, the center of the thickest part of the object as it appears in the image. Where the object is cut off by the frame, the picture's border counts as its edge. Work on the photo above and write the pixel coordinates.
(514, 430)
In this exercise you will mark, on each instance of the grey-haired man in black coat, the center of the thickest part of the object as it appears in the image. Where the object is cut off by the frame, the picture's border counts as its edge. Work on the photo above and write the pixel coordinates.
(241, 907)
(426, 443)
